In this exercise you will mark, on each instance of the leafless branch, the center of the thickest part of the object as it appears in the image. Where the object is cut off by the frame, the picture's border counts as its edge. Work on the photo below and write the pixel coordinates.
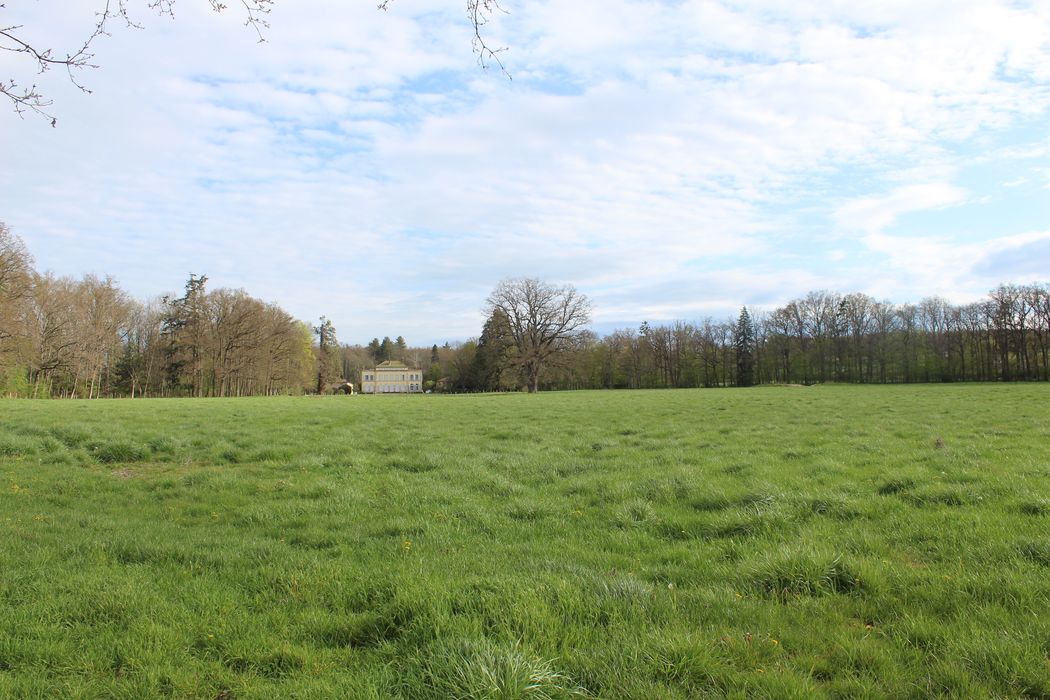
(480, 13)
(13, 39)
(26, 99)
(256, 13)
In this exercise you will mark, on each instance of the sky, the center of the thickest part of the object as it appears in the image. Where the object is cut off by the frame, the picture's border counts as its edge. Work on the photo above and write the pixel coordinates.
(670, 159)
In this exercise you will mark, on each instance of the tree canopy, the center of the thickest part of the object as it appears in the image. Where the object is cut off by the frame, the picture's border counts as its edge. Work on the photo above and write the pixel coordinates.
(544, 320)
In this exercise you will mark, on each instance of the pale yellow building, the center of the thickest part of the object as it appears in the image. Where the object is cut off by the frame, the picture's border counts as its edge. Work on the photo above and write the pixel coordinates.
(391, 377)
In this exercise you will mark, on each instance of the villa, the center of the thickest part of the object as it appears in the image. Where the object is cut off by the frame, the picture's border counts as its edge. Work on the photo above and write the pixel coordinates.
(392, 377)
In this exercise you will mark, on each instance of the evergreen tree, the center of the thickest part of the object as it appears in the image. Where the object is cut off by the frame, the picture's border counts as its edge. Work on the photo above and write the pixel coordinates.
(184, 326)
(374, 348)
(402, 348)
(744, 344)
(327, 354)
(434, 356)
(495, 353)
(386, 349)
(126, 370)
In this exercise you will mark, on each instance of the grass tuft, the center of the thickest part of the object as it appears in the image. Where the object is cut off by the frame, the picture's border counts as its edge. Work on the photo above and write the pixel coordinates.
(485, 670)
(118, 451)
(1038, 507)
(1038, 552)
(894, 486)
(805, 573)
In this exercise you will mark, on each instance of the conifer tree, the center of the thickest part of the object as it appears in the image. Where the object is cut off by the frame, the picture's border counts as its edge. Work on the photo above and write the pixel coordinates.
(744, 344)
(495, 352)
(386, 349)
(184, 326)
(327, 347)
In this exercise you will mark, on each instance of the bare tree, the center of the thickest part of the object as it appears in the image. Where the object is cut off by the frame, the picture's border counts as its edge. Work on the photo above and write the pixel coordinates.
(15, 284)
(53, 353)
(544, 320)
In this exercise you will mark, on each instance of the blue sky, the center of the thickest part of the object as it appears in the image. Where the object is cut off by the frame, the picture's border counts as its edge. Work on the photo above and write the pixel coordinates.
(672, 160)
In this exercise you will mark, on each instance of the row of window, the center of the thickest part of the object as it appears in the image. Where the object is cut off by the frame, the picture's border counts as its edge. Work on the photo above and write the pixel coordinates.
(391, 388)
(404, 378)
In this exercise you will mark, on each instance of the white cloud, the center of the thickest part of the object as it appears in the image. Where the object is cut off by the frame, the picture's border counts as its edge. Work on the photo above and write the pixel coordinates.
(360, 165)
(876, 213)
(959, 271)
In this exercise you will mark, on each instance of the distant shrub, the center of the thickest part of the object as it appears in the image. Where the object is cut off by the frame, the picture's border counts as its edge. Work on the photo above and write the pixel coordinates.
(14, 383)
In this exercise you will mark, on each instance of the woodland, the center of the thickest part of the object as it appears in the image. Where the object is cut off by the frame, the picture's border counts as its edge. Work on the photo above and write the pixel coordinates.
(88, 338)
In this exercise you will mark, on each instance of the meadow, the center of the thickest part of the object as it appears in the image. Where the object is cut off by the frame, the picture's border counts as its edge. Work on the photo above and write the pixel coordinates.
(829, 541)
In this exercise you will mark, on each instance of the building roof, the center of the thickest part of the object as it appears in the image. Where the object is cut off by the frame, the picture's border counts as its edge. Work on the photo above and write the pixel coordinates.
(391, 364)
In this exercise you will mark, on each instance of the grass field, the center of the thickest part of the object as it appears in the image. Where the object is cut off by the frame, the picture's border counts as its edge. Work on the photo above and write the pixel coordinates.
(770, 542)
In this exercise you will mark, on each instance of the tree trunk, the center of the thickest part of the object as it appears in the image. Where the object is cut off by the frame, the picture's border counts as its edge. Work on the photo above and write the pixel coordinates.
(532, 375)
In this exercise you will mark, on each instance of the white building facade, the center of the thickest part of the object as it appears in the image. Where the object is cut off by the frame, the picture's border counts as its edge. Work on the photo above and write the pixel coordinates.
(392, 377)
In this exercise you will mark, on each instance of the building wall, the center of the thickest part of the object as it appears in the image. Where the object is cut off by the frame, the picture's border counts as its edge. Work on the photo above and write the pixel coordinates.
(392, 380)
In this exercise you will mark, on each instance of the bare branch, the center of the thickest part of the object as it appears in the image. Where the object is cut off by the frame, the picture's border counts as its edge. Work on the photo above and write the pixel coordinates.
(255, 11)
(479, 12)
(30, 99)
(26, 99)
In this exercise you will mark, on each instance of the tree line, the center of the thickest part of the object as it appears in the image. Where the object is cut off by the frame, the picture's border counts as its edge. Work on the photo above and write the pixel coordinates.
(820, 337)
(87, 338)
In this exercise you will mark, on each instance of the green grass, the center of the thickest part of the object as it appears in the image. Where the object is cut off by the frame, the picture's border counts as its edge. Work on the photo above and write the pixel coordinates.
(771, 542)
